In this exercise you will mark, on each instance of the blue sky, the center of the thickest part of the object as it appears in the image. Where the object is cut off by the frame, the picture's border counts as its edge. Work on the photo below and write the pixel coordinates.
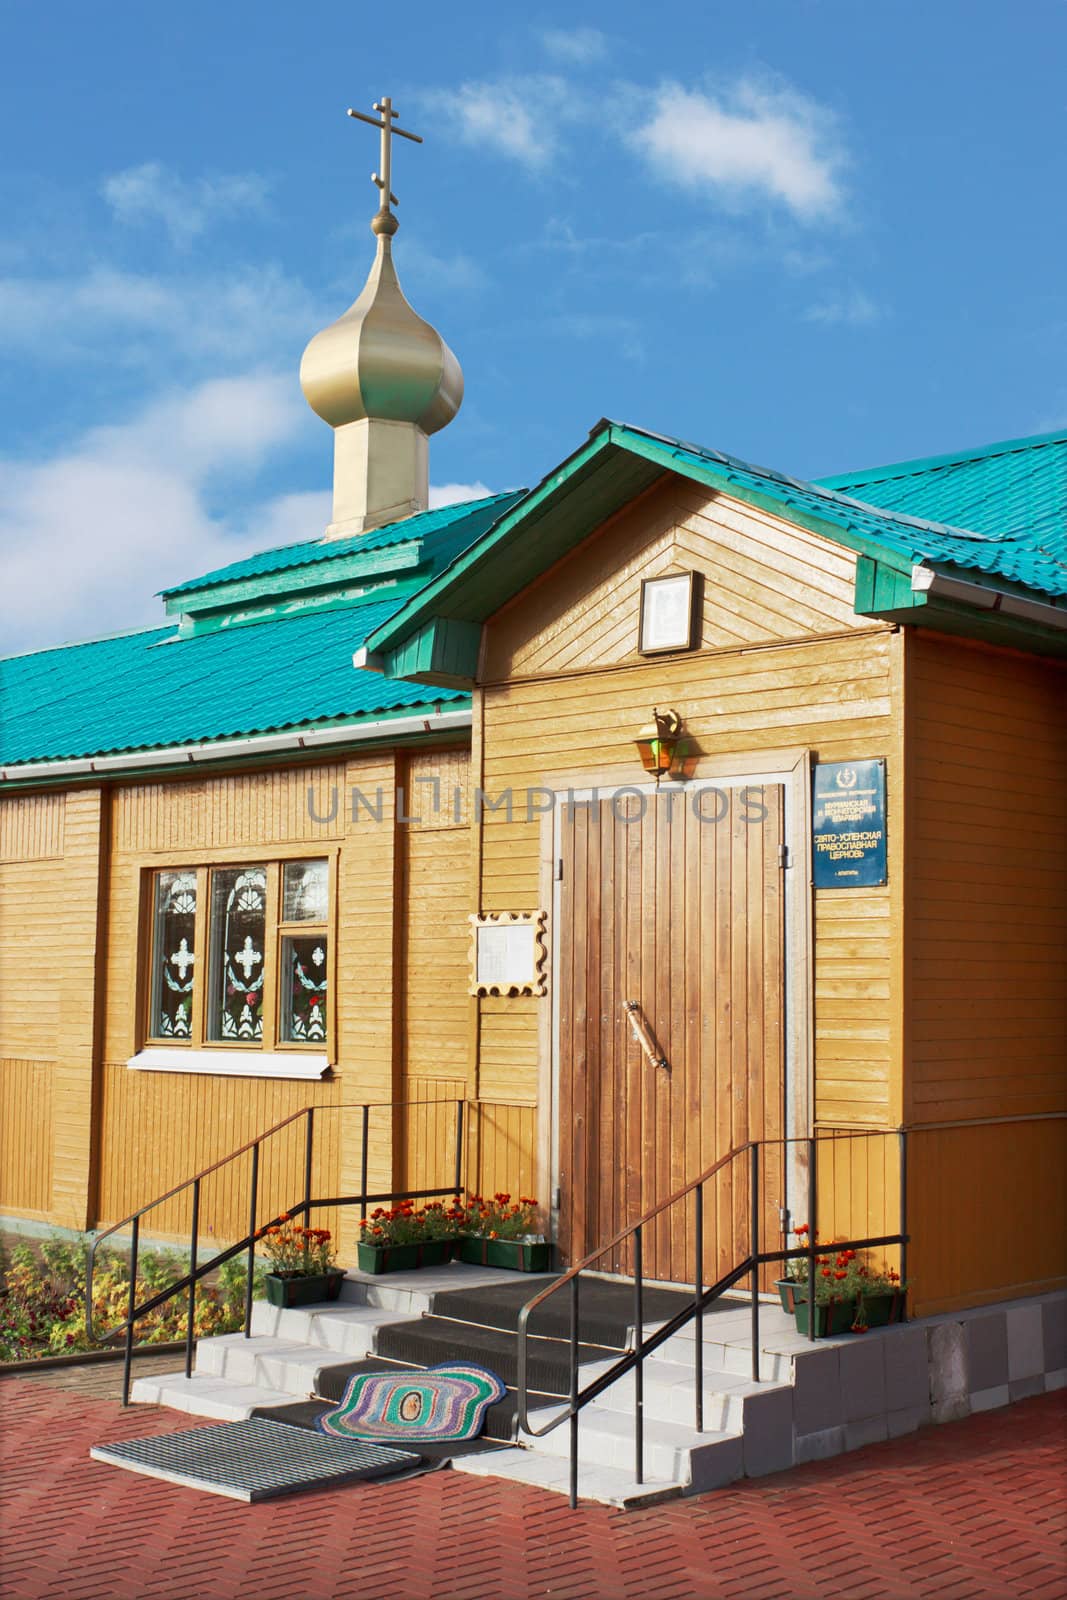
(816, 233)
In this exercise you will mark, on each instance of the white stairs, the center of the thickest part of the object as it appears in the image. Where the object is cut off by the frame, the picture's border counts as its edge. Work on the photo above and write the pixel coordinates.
(749, 1428)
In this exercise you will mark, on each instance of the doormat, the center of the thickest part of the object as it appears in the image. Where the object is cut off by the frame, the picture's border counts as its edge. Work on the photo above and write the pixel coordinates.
(437, 1405)
(255, 1459)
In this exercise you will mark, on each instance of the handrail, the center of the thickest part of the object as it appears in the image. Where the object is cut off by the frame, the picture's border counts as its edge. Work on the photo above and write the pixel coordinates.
(749, 1265)
(246, 1244)
(624, 1233)
(233, 1155)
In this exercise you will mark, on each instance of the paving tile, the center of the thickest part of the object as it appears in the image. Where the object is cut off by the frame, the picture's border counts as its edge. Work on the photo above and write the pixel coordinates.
(972, 1509)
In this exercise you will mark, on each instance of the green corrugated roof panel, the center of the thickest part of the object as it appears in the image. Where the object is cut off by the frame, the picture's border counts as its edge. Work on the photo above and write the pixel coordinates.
(1032, 560)
(467, 520)
(145, 691)
(1017, 489)
(619, 459)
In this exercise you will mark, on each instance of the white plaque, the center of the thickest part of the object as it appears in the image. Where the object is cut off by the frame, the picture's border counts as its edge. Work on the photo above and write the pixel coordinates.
(509, 953)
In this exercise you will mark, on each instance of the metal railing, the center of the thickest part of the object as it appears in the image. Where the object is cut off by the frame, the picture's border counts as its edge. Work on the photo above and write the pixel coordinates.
(302, 1207)
(703, 1295)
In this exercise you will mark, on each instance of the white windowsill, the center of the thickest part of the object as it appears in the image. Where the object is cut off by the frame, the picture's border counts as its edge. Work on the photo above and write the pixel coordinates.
(231, 1063)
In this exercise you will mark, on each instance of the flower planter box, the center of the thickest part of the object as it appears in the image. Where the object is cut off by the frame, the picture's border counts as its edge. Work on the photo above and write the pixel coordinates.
(789, 1293)
(303, 1289)
(832, 1320)
(520, 1255)
(405, 1257)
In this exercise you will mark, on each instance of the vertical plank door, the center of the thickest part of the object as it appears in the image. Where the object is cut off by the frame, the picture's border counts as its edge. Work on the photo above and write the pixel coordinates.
(684, 914)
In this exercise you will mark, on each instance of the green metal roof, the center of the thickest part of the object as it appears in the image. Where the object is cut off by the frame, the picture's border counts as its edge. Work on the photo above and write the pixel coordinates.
(145, 691)
(619, 461)
(1016, 489)
(467, 519)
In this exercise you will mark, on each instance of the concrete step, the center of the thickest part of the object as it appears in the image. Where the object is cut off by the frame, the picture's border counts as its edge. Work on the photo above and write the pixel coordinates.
(283, 1365)
(669, 1393)
(673, 1453)
(609, 1485)
(203, 1395)
(346, 1330)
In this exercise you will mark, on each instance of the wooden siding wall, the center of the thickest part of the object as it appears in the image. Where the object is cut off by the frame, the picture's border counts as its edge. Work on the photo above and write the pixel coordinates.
(987, 1208)
(386, 956)
(986, 949)
(785, 667)
(987, 923)
(50, 865)
(434, 903)
(158, 1129)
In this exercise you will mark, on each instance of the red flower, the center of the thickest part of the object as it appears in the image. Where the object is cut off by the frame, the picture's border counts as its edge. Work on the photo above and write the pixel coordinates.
(800, 1231)
(251, 999)
(840, 1275)
(826, 1272)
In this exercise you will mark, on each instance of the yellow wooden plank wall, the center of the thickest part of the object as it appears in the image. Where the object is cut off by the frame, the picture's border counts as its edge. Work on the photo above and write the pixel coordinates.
(833, 696)
(48, 941)
(155, 1121)
(987, 858)
(764, 581)
(205, 813)
(32, 940)
(858, 1189)
(242, 816)
(428, 1132)
(31, 827)
(504, 1145)
(855, 1010)
(73, 1154)
(988, 1213)
(435, 905)
(26, 1134)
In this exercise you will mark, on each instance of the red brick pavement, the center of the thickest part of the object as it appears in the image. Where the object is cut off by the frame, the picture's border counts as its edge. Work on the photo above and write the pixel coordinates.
(970, 1509)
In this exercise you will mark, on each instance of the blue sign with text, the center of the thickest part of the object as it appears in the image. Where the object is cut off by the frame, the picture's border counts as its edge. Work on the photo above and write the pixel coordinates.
(848, 825)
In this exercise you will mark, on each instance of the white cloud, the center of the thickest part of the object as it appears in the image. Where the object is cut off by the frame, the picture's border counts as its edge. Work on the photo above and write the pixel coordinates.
(452, 494)
(517, 117)
(850, 308)
(239, 316)
(752, 142)
(88, 536)
(577, 46)
(153, 193)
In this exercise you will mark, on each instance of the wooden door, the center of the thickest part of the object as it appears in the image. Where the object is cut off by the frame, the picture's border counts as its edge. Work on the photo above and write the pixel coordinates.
(684, 914)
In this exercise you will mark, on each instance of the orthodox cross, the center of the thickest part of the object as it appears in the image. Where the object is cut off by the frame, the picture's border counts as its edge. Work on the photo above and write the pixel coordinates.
(183, 959)
(247, 957)
(387, 123)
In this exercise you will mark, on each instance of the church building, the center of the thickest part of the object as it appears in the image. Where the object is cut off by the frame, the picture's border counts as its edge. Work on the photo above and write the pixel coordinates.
(565, 841)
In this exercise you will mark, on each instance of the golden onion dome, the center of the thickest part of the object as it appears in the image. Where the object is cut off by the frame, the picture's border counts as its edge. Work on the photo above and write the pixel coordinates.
(381, 359)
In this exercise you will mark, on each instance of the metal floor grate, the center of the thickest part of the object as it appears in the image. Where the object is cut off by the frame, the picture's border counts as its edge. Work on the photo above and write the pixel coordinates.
(254, 1459)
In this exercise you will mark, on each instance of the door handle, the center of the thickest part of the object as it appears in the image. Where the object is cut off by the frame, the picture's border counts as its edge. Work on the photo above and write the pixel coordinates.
(643, 1035)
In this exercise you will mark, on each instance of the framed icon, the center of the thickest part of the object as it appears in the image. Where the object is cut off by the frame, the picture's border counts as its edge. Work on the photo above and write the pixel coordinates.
(668, 613)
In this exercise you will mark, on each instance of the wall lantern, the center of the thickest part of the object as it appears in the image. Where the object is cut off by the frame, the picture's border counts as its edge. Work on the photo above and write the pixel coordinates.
(657, 743)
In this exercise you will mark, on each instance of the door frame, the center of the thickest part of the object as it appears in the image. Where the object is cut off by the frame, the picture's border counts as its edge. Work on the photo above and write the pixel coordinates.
(792, 771)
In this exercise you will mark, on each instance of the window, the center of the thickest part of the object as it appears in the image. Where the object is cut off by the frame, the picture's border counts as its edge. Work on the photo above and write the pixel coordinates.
(260, 932)
(173, 955)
